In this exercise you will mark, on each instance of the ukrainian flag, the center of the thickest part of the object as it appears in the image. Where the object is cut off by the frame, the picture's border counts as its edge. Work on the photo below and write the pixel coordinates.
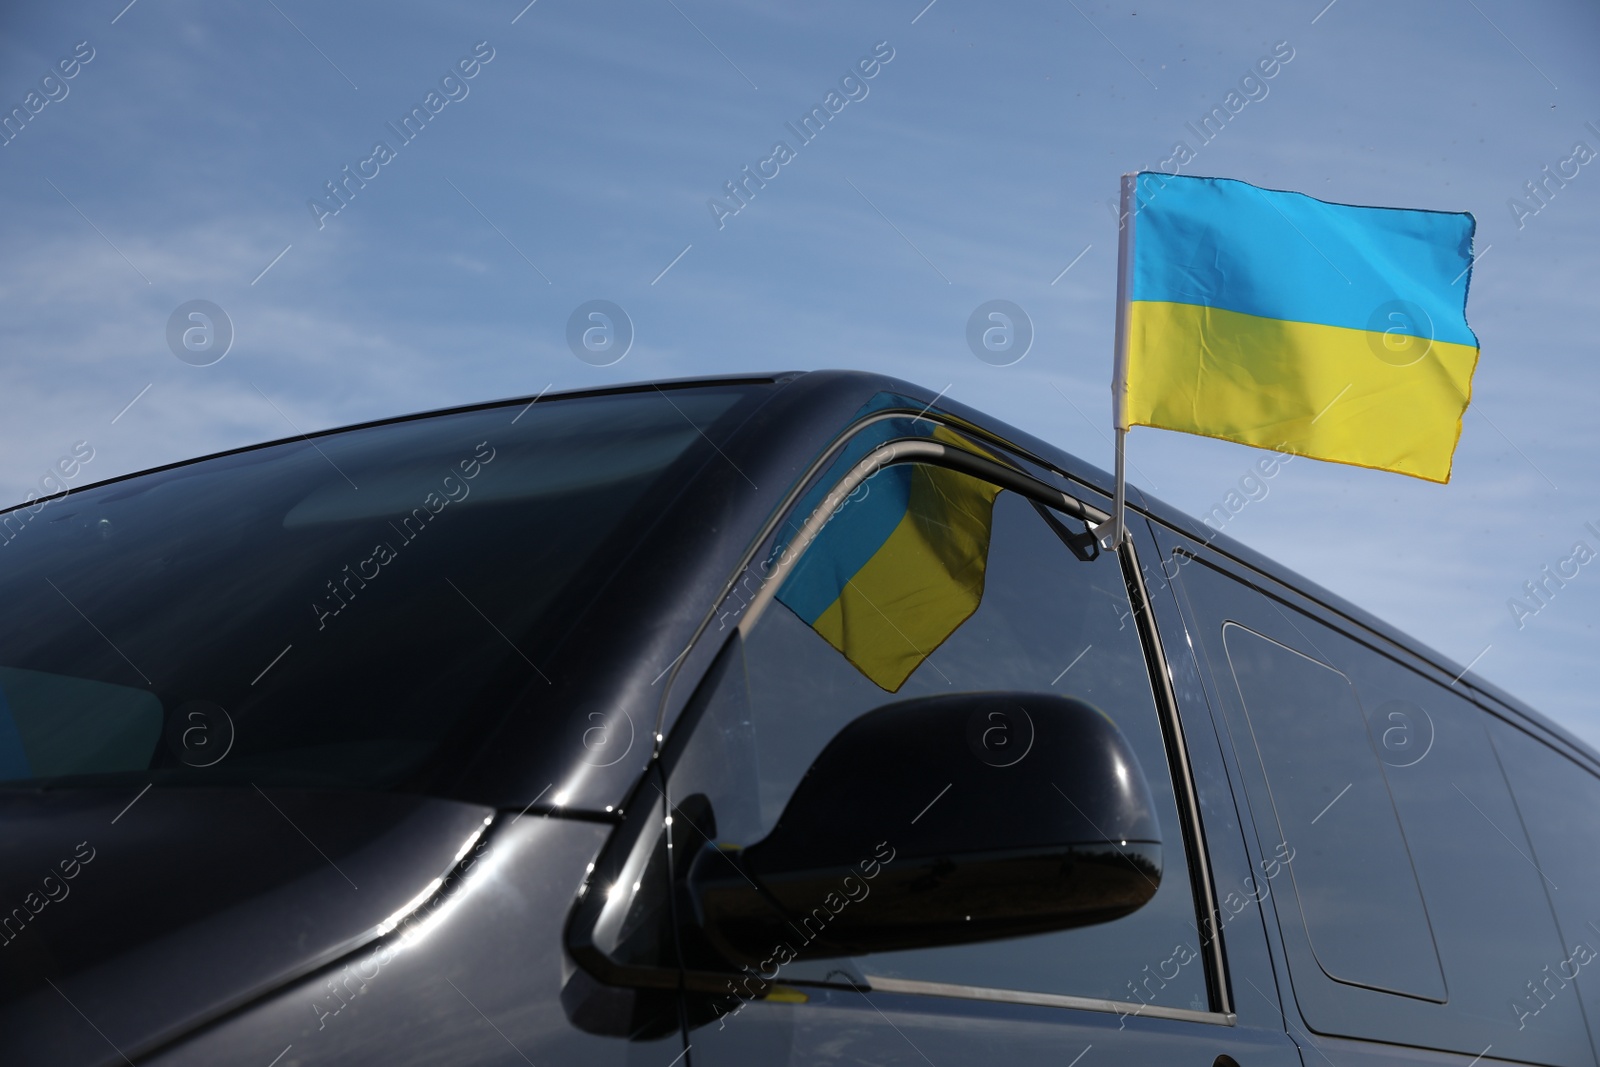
(901, 565)
(1278, 320)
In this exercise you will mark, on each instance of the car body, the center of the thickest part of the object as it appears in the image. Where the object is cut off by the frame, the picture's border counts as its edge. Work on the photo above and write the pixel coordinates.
(467, 738)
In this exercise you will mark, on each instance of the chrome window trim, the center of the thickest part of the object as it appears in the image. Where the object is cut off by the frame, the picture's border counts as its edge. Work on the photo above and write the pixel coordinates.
(818, 465)
(925, 450)
(880, 984)
(918, 450)
(1210, 937)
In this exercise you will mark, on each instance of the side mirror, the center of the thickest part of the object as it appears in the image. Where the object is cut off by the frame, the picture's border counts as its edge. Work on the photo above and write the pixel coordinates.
(941, 821)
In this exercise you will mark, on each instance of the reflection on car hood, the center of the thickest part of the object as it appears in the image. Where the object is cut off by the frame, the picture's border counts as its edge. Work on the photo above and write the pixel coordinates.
(144, 919)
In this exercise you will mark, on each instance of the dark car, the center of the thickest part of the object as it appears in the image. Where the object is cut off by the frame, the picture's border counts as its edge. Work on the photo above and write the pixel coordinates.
(791, 719)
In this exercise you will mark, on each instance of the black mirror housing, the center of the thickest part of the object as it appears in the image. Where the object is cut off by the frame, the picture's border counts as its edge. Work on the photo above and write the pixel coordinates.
(941, 821)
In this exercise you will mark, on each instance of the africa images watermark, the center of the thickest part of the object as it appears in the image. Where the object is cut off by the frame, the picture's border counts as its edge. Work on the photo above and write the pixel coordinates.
(1251, 488)
(51, 483)
(1252, 88)
(1552, 579)
(1183, 954)
(54, 889)
(53, 89)
(811, 927)
(1544, 992)
(453, 489)
(412, 922)
(853, 85)
(1544, 190)
(454, 87)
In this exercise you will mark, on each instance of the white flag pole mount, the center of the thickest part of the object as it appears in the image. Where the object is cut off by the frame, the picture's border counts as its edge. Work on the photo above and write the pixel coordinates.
(1113, 532)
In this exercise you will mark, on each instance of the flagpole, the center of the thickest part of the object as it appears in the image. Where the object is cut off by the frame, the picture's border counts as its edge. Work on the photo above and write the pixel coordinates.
(1113, 532)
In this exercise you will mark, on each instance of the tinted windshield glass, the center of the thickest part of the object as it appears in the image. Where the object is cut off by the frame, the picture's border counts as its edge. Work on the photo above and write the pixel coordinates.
(335, 611)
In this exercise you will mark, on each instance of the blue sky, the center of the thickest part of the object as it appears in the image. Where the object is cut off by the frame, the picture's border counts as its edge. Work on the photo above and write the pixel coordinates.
(976, 164)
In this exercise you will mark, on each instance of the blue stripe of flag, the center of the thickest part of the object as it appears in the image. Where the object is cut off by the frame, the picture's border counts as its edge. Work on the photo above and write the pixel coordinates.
(1217, 242)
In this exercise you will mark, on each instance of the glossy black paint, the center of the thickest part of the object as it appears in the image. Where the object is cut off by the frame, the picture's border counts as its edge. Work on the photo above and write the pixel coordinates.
(194, 901)
(485, 984)
(1059, 834)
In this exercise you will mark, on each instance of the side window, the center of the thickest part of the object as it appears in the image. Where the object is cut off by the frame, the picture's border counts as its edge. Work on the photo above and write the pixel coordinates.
(1416, 914)
(1320, 769)
(928, 582)
(1560, 803)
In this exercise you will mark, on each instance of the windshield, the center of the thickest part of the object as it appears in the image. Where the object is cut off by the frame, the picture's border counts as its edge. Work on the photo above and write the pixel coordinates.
(334, 611)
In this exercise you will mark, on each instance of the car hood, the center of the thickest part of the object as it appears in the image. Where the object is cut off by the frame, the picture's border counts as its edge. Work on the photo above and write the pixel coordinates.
(122, 925)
